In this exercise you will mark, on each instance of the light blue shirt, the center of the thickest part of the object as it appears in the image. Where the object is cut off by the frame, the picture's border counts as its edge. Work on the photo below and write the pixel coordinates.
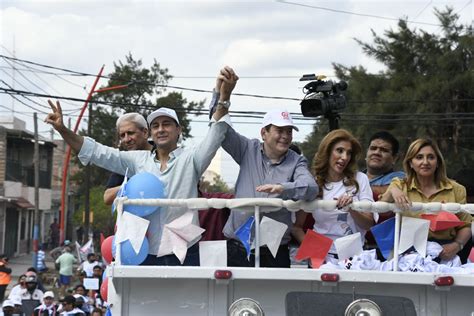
(386, 178)
(180, 178)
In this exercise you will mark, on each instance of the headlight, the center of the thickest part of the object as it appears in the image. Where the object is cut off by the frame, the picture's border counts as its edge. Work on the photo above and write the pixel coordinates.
(245, 307)
(363, 307)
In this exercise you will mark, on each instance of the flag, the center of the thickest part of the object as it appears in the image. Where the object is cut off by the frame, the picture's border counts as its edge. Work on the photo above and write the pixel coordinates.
(414, 232)
(244, 232)
(443, 220)
(213, 253)
(177, 235)
(348, 246)
(384, 234)
(314, 246)
(133, 228)
(271, 233)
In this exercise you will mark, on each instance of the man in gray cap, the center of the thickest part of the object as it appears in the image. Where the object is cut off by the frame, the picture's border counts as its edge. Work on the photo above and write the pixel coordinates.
(267, 169)
(179, 169)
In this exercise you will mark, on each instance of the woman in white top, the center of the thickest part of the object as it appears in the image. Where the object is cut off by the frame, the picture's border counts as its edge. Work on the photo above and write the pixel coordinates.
(335, 169)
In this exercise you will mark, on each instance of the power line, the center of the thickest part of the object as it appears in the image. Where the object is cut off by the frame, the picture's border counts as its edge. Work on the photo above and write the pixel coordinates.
(354, 13)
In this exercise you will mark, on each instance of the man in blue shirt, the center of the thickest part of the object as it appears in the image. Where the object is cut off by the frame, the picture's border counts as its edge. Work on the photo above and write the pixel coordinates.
(179, 169)
(382, 154)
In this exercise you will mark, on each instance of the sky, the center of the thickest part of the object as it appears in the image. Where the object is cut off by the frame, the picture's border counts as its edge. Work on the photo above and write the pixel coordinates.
(270, 44)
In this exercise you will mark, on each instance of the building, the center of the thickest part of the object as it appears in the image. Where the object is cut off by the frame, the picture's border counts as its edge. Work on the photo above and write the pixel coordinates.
(17, 192)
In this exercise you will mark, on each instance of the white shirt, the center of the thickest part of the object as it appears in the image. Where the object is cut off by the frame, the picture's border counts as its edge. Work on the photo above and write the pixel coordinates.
(339, 223)
(88, 267)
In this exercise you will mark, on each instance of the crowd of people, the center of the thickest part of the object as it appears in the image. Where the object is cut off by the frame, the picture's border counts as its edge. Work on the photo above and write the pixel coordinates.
(66, 295)
(269, 168)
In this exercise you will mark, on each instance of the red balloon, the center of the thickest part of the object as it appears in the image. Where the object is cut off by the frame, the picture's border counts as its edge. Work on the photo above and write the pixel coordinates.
(106, 249)
(104, 289)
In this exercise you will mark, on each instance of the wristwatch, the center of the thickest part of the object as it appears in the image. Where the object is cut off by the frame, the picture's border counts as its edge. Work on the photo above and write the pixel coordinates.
(225, 104)
(461, 245)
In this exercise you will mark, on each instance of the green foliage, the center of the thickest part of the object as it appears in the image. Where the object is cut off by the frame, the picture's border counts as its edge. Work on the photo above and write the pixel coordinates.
(103, 220)
(426, 90)
(218, 185)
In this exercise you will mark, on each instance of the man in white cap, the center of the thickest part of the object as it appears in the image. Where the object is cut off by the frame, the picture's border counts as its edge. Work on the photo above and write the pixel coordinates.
(267, 169)
(133, 133)
(179, 169)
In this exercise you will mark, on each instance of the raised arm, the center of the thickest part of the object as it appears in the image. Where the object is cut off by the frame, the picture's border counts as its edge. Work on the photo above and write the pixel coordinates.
(225, 84)
(56, 120)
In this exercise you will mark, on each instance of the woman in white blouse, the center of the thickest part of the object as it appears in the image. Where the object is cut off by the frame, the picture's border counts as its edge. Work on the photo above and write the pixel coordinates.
(335, 170)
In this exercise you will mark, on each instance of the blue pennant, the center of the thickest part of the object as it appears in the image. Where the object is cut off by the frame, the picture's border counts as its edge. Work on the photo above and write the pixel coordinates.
(244, 232)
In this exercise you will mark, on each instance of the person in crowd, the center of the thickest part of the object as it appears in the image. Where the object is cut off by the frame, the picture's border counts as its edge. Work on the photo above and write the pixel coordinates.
(40, 260)
(32, 271)
(68, 307)
(97, 312)
(54, 233)
(335, 170)
(5, 276)
(133, 133)
(88, 265)
(8, 307)
(48, 307)
(98, 271)
(179, 169)
(17, 289)
(65, 262)
(267, 169)
(426, 181)
(31, 296)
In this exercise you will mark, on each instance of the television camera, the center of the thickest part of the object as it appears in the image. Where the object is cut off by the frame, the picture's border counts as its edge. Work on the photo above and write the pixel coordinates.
(323, 98)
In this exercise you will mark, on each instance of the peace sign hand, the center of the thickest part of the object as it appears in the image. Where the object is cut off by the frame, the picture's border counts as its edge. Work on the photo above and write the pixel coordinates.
(55, 118)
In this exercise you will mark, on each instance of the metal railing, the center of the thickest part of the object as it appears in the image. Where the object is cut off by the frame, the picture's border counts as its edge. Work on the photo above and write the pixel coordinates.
(273, 204)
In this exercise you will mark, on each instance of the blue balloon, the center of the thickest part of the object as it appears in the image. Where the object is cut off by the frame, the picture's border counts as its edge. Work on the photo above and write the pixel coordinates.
(143, 186)
(108, 312)
(127, 254)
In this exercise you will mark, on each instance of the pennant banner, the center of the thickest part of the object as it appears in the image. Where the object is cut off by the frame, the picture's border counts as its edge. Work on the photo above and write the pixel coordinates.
(414, 232)
(213, 253)
(314, 246)
(177, 235)
(384, 234)
(443, 220)
(348, 246)
(271, 233)
(244, 233)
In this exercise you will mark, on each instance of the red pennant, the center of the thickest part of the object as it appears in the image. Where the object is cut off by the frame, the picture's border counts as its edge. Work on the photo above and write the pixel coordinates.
(314, 246)
(443, 220)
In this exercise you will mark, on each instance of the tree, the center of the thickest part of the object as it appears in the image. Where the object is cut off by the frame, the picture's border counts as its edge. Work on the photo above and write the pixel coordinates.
(426, 89)
(217, 185)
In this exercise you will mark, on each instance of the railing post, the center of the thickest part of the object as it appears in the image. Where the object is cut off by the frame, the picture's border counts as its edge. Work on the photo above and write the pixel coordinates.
(257, 236)
(396, 242)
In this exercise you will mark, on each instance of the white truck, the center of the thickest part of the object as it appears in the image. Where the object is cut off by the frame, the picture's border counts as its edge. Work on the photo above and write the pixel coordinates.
(165, 290)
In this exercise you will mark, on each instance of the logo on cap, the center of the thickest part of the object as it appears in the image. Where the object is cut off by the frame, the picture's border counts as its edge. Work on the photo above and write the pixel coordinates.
(285, 115)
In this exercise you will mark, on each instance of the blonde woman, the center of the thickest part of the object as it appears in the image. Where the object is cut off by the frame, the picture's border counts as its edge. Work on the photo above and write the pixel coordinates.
(426, 181)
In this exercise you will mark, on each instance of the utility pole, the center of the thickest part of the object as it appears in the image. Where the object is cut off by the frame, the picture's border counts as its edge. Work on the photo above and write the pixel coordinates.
(36, 217)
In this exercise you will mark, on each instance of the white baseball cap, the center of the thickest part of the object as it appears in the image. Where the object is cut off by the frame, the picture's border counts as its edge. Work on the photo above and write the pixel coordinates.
(278, 118)
(162, 112)
(48, 294)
